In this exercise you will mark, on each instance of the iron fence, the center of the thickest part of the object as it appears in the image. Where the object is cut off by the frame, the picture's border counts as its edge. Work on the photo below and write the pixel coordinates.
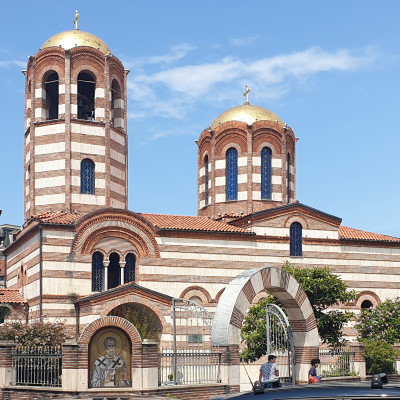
(37, 366)
(188, 367)
(336, 362)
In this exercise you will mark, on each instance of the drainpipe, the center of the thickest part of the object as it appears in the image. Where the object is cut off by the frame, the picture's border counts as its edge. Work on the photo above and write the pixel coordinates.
(40, 273)
(77, 316)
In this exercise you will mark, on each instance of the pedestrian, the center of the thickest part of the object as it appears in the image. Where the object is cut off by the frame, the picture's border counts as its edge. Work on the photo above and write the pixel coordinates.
(269, 373)
(312, 373)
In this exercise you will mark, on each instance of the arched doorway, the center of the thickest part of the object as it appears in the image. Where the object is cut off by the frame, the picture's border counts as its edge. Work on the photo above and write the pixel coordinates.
(237, 298)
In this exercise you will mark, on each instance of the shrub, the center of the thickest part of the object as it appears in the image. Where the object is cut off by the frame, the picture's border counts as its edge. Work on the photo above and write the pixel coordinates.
(380, 357)
(36, 333)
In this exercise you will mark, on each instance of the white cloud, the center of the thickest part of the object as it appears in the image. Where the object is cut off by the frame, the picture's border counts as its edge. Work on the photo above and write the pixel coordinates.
(12, 63)
(243, 41)
(173, 92)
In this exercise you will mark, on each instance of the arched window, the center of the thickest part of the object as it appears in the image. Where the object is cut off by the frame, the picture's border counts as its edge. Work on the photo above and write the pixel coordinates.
(97, 272)
(116, 106)
(206, 178)
(87, 176)
(289, 186)
(366, 304)
(296, 240)
(231, 174)
(114, 271)
(266, 160)
(86, 91)
(129, 270)
(51, 88)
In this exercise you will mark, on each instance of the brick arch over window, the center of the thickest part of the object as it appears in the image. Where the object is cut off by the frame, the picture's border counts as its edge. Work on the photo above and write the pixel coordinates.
(115, 223)
(105, 322)
(238, 296)
(196, 291)
(367, 295)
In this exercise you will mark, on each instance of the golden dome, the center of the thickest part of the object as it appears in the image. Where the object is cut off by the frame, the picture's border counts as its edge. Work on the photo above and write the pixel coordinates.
(69, 39)
(246, 113)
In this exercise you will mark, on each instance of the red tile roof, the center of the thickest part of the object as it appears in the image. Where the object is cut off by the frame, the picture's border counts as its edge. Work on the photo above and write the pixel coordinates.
(57, 217)
(350, 233)
(11, 296)
(191, 223)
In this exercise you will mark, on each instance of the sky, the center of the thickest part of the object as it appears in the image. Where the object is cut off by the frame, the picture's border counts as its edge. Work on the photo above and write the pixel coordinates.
(329, 69)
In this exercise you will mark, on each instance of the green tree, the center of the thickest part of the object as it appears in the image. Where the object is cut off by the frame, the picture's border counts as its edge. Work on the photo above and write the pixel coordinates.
(36, 333)
(323, 288)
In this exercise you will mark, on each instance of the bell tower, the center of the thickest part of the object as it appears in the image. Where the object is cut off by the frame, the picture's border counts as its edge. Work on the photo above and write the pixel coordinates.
(76, 145)
(246, 163)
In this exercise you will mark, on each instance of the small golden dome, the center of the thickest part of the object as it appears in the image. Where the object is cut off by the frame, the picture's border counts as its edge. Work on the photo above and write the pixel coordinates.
(69, 39)
(246, 113)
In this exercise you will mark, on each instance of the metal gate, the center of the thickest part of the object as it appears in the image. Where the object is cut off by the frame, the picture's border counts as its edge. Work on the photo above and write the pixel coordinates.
(280, 342)
(189, 359)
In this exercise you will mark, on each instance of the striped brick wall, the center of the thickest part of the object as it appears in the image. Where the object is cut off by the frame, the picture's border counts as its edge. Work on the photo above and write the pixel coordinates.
(249, 142)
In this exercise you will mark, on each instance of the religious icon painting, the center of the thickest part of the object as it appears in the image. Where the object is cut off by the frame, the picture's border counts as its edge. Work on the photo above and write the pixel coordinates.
(110, 359)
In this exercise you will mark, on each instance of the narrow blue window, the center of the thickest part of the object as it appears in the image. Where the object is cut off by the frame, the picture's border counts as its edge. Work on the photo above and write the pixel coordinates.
(206, 178)
(296, 240)
(87, 176)
(97, 272)
(289, 186)
(129, 270)
(231, 174)
(266, 156)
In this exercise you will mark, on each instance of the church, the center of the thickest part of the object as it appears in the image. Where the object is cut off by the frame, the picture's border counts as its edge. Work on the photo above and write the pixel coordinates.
(83, 258)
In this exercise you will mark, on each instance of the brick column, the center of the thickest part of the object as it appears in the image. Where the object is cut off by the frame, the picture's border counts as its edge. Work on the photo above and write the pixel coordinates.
(6, 372)
(150, 365)
(73, 377)
(230, 365)
(359, 359)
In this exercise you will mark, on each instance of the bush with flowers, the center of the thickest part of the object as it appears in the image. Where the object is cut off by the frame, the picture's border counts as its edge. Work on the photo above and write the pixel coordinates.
(381, 322)
(35, 333)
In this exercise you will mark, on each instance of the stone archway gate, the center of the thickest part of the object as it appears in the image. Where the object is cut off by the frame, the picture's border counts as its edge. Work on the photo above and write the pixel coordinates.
(236, 300)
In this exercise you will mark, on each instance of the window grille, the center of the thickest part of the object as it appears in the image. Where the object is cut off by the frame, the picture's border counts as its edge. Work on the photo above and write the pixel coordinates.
(129, 270)
(97, 272)
(206, 178)
(289, 186)
(296, 239)
(266, 156)
(231, 174)
(87, 176)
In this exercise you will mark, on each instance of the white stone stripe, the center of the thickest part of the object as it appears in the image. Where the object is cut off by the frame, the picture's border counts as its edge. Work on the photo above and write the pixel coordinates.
(88, 148)
(117, 138)
(99, 112)
(50, 148)
(87, 129)
(50, 129)
(50, 199)
(120, 174)
(117, 188)
(40, 93)
(275, 179)
(49, 182)
(50, 165)
(88, 199)
(117, 156)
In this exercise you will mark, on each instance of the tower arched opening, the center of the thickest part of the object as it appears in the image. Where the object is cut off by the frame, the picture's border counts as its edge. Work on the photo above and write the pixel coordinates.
(51, 90)
(86, 96)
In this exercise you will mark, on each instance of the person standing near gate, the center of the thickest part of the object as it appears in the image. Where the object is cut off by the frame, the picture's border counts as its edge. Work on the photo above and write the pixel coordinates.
(269, 373)
(312, 373)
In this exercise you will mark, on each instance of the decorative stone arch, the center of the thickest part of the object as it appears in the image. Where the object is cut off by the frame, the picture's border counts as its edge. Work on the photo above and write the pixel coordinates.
(115, 223)
(367, 295)
(219, 294)
(237, 298)
(196, 291)
(296, 218)
(115, 322)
